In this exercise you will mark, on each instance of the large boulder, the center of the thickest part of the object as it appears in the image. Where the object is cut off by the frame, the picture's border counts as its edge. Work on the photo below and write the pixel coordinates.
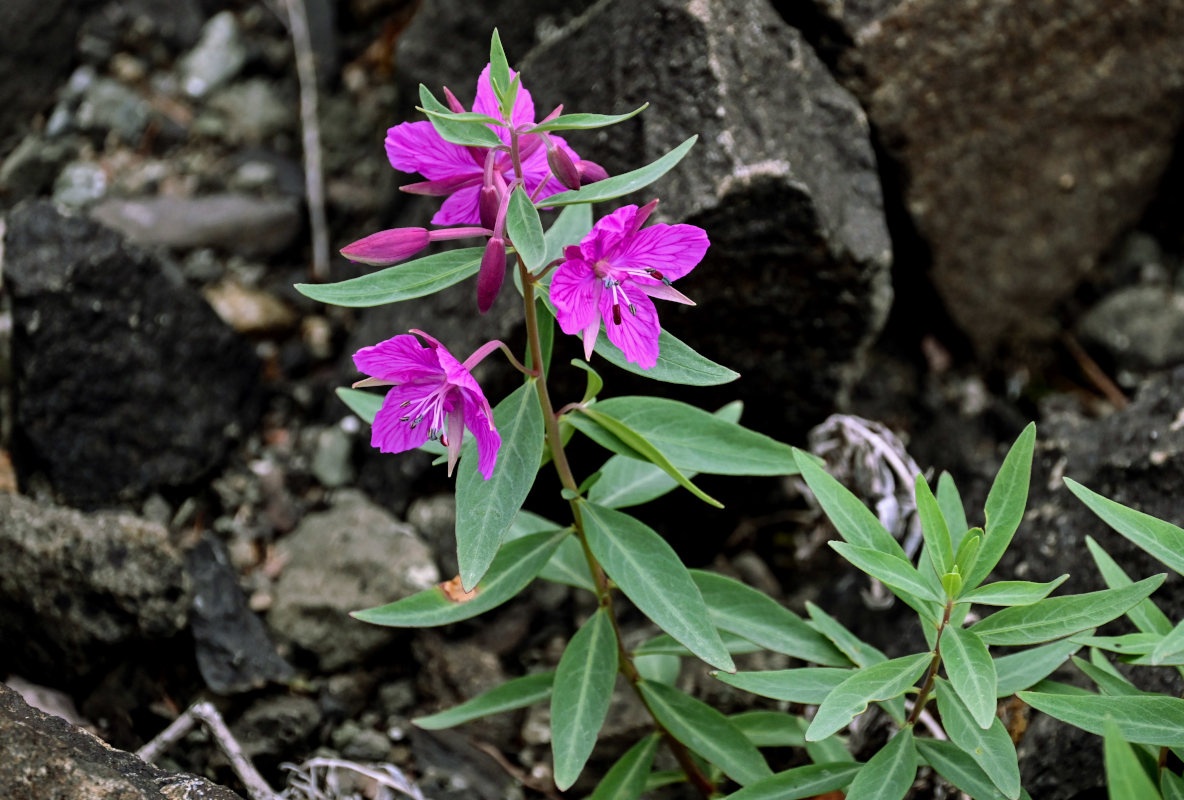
(46, 757)
(126, 380)
(783, 178)
(1029, 137)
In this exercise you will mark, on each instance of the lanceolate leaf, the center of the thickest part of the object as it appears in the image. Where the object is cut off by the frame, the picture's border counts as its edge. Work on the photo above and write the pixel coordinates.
(850, 698)
(619, 185)
(569, 566)
(771, 728)
(583, 688)
(1026, 668)
(888, 774)
(860, 652)
(1171, 647)
(938, 545)
(499, 66)
(1011, 593)
(759, 618)
(462, 132)
(958, 768)
(1125, 777)
(1005, 505)
(515, 693)
(1147, 719)
(406, 281)
(515, 566)
(852, 519)
(991, 748)
(1061, 616)
(952, 509)
(1162, 540)
(706, 731)
(1145, 615)
(899, 575)
(1107, 678)
(1171, 785)
(664, 644)
(364, 404)
(677, 363)
(651, 575)
(971, 671)
(485, 509)
(525, 229)
(808, 685)
(583, 122)
(812, 780)
(626, 779)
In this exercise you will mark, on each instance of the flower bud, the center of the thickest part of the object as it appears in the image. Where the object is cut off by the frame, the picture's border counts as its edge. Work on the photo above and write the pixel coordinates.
(492, 273)
(488, 202)
(387, 247)
(562, 167)
(591, 172)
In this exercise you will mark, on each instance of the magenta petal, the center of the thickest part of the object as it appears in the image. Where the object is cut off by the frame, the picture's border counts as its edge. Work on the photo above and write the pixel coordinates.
(608, 234)
(398, 360)
(416, 147)
(455, 372)
(574, 293)
(390, 433)
(673, 250)
(460, 208)
(488, 439)
(637, 334)
(455, 435)
(661, 291)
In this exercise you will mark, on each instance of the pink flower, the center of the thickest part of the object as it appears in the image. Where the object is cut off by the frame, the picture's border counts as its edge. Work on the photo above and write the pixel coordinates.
(458, 172)
(433, 396)
(613, 273)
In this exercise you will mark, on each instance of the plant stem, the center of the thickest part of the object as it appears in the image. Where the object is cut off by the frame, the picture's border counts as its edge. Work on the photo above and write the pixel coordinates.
(931, 673)
(603, 590)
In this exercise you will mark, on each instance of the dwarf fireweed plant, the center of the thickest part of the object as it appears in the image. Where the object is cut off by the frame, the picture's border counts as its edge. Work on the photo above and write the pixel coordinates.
(497, 168)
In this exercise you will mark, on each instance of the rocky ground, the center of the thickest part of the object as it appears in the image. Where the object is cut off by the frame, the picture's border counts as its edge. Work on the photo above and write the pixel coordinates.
(950, 221)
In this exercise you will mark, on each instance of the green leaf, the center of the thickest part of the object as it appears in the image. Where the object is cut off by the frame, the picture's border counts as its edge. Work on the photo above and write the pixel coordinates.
(1107, 678)
(626, 779)
(1061, 616)
(1005, 505)
(651, 575)
(595, 382)
(660, 667)
(499, 66)
(635, 445)
(569, 566)
(958, 768)
(808, 685)
(664, 644)
(852, 519)
(677, 363)
(469, 117)
(812, 780)
(706, 731)
(694, 439)
(486, 508)
(583, 122)
(1147, 719)
(754, 615)
(466, 133)
(897, 574)
(514, 693)
(989, 746)
(938, 545)
(971, 671)
(770, 728)
(860, 652)
(364, 404)
(619, 185)
(406, 281)
(879, 682)
(525, 229)
(1125, 777)
(1171, 785)
(1163, 540)
(967, 554)
(1022, 670)
(572, 225)
(583, 689)
(1171, 647)
(515, 566)
(952, 509)
(1145, 615)
(888, 774)
(1011, 593)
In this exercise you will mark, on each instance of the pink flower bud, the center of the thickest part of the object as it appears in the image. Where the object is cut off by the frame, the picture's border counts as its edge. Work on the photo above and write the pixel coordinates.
(492, 273)
(387, 247)
(590, 172)
(488, 202)
(562, 167)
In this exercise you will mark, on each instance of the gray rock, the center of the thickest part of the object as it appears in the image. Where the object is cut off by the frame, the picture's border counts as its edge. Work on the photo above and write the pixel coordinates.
(368, 745)
(783, 178)
(45, 756)
(108, 105)
(277, 727)
(1140, 327)
(239, 223)
(217, 57)
(80, 184)
(234, 652)
(254, 111)
(331, 463)
(434, 517)
(1029, 137)
(351, 557)
(125, 378)
(30, 169)
(75, 589)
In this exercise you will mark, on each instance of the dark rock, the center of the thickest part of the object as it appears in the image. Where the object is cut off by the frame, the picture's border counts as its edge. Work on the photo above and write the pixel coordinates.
(275, 727)
(351, 557)
(36, 53)
(1029, 138)
(125, 379)
(77, 590)
(120, 23)
(783, 178)
(46, 757)
(108, 105)
(1141, 328)
(234, 652)
(30, 169)
(252, 226)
